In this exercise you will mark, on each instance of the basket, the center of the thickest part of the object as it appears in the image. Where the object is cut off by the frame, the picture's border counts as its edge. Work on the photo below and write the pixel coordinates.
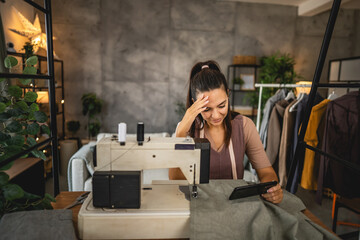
(244, 59)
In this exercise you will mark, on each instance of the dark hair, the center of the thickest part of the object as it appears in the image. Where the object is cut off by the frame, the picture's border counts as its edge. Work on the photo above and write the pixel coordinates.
(203, 80)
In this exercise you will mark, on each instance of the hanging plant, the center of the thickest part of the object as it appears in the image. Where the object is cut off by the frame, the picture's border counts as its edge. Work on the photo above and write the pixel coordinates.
(20, 123)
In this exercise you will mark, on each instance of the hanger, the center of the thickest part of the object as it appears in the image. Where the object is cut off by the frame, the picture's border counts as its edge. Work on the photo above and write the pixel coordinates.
(292, 108)
(290, 95)
(332, 96)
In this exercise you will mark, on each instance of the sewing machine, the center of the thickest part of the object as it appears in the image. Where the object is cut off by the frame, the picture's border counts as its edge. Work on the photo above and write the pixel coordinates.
(164, 208)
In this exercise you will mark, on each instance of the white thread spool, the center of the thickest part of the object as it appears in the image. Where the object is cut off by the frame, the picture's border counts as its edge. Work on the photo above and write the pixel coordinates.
(122, 133)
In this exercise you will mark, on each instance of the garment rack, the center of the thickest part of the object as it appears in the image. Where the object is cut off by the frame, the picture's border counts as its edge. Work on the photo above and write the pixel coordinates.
(272, 85)
(301, 145)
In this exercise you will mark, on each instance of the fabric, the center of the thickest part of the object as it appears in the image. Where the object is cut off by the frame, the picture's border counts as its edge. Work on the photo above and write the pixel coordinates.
(311, 168)
(287, 135)
(300, 113)
(38, 224)
(85, 153)
(213, 216)
(266, 114)
(342, 139)
(245, 140)
(274, 132)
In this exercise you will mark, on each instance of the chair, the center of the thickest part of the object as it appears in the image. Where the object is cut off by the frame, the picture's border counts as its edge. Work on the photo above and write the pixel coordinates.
(350, 204)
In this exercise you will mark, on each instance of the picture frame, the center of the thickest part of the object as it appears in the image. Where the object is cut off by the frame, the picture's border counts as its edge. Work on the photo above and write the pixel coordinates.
(249, 81)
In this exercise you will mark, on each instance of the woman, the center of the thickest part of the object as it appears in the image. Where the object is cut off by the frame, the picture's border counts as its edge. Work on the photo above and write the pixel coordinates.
(230, 135)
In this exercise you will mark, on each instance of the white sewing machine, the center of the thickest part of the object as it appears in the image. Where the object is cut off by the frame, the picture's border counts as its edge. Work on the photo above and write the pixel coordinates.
(165, 209)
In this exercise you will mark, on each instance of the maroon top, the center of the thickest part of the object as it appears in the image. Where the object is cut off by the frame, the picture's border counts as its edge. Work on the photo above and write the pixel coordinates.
(244, 140)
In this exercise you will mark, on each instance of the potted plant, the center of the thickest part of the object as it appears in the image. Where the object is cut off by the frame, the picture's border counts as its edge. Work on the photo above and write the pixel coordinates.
(238, 83)
(73, 127)
(92, 106)
(277, 68)
(21, 121)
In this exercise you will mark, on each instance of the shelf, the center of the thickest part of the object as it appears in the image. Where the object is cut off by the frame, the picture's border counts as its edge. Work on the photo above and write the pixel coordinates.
(40, 57)
(245, 65)
(243, 90)
(40, 88)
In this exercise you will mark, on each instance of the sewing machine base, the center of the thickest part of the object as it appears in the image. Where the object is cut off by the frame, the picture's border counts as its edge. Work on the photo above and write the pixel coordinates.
(164, 213)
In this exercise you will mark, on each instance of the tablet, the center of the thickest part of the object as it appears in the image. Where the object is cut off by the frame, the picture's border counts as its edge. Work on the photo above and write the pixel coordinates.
(251, 190)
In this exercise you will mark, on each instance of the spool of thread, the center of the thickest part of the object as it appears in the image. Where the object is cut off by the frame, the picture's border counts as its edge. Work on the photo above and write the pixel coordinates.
(122, 133)
(140, 133)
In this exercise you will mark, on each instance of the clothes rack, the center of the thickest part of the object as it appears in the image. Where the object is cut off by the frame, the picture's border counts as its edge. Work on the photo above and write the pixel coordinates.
(272, 85)
(300, 148)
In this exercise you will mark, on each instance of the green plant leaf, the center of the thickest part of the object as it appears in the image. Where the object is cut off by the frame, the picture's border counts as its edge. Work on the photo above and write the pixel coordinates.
(10, 62)
(2, 107)
(4, 116)
(45, 129)
(15, 112)
(25, 81)
(30, 96)
(7, 166)
(17, 140)
(31, 141)
(4, 137)
(2, 79)
(39, 154)
(14, 127)
(34, 107)
(49, 197)
(32, 60)
(4, 178)
(22, 105)
(33, 128)
(30, 70)
(12, 150)
(15, 91)
(31, 116)
(12, 192)
(40, 117)
(31, 196)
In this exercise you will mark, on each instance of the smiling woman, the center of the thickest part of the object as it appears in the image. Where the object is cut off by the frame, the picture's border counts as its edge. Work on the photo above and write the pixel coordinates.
(231, 136)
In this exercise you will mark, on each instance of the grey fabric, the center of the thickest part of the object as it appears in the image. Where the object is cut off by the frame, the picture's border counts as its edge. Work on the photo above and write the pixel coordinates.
(86, 154)
(37, 225)
(266, 114)
(213, 216)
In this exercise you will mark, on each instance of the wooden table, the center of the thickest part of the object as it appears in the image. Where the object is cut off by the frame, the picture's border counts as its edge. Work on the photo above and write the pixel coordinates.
(66, 198)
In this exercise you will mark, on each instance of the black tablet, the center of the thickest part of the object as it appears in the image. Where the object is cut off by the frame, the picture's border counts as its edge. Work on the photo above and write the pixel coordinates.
(251, 190)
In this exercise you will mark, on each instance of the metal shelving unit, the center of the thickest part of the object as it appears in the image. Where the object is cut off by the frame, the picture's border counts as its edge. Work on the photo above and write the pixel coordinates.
(34, 88)
(234, 70)
(51, 87)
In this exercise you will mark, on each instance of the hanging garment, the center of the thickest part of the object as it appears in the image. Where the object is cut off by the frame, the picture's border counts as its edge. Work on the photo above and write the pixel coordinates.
(342, 139)
(311, 168)
(266, 114)
(287, 135)
(274, 132)
(298, 120)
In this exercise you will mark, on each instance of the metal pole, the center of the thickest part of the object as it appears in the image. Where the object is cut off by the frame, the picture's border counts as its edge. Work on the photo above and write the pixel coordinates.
(300, 148)
(259, 110)
(50, 64)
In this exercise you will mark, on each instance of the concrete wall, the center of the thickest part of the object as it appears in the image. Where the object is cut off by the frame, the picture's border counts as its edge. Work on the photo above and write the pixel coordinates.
(137, 54)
